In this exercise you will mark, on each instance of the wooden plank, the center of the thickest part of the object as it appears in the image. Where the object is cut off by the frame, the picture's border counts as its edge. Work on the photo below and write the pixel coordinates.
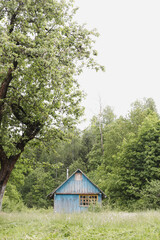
(76, 193)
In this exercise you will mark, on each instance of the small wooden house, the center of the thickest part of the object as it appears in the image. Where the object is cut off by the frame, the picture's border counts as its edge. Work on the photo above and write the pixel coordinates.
(76, 194)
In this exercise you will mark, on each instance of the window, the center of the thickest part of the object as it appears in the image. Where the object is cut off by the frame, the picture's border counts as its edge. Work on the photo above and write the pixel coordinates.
(86, 200)
(78, 176)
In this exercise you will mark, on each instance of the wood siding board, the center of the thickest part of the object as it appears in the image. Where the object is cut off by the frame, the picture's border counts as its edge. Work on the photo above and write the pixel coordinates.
(67, 204)
(69, 193)
(73, 186)
(80, 187)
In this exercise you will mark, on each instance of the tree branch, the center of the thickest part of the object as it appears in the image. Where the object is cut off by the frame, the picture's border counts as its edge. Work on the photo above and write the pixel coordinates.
(4, 87)
(31, 131)
(3, 158)
(33, 127)
(13, 18)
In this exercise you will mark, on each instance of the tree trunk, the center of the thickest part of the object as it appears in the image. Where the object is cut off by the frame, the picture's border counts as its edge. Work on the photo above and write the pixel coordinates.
(101, 134)
(100, 126)
(2, 190)
(5, 172)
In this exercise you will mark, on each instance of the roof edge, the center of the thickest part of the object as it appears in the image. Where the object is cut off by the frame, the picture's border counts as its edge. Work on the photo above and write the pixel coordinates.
(51, 195)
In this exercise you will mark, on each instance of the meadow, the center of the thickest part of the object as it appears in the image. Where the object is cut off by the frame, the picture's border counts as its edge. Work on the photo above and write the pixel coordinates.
(44, 224)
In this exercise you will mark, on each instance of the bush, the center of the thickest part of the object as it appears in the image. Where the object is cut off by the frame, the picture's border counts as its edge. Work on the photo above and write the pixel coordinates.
(36, 187)
(12, 200)
(12, 205)
(150, 196)
(95, 207)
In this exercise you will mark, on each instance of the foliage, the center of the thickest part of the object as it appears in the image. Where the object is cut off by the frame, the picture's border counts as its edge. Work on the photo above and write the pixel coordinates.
(95, 208)
(98, 125)
(127, 171)
(38, 184)
(150, 195)
(137, 163)
(12, 206)
(41, 45)
(12, 199)
(139, 111)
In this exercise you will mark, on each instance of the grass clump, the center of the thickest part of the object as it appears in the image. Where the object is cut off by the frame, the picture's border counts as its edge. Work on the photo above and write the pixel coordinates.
(109, 225)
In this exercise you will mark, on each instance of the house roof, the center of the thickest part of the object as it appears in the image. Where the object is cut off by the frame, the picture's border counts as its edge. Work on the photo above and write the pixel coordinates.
(51, 195)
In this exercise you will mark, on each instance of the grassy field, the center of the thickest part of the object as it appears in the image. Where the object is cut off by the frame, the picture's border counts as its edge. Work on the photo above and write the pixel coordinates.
(107, 225)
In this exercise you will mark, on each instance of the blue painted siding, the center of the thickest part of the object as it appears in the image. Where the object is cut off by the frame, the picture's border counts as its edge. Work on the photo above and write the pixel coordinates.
(78, 186)
(69, 203)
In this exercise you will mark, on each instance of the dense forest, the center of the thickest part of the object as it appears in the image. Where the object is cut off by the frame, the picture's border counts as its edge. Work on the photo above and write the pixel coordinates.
(120, 154)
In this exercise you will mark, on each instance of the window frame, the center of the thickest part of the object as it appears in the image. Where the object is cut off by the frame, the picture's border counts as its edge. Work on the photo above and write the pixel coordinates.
(78, 176)
(85, 200)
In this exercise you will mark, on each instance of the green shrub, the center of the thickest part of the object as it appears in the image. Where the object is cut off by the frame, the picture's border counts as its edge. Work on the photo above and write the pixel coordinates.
(12, 200)
(95, 207)
(36, 187)
(150, 196)
(12, 205)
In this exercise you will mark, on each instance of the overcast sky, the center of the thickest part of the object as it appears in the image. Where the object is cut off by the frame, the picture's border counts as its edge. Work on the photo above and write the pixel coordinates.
(128, 47)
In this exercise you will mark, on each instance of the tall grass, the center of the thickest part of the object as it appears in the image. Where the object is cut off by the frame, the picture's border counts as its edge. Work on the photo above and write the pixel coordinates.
(44, 224)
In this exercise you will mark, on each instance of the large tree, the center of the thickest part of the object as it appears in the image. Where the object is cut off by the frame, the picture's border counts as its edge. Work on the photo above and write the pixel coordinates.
(42, 50)
(136, 164)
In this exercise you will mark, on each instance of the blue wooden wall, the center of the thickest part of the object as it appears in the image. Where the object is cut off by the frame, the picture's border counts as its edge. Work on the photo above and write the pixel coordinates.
(69, 201)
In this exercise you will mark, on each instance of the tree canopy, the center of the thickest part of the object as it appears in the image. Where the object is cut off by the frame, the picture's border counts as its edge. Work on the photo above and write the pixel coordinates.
(42, 50)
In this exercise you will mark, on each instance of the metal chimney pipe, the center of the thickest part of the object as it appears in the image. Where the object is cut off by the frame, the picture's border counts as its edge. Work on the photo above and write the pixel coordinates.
(67, 173)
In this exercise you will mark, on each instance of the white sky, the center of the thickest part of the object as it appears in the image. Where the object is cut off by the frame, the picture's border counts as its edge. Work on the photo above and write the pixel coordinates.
(128, 47)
